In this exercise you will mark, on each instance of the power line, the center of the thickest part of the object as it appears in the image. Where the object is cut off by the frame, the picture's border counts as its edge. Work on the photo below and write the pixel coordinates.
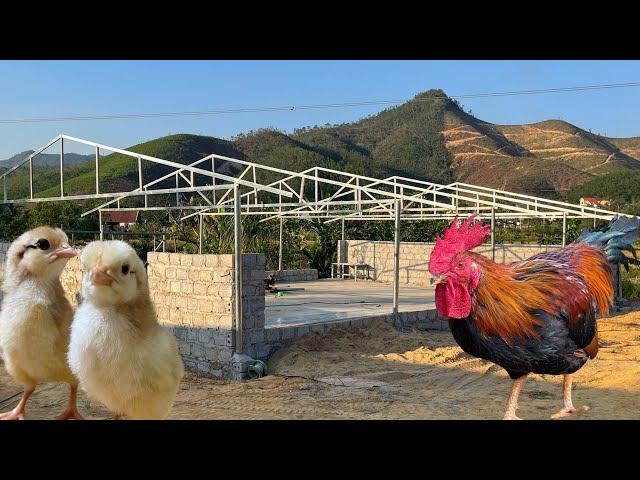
(313, 106)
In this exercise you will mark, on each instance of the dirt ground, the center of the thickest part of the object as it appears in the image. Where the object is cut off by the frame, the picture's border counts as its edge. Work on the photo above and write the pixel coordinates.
(381, 373)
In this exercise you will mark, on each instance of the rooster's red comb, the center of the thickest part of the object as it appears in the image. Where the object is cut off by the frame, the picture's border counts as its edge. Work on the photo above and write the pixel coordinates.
(457, 240)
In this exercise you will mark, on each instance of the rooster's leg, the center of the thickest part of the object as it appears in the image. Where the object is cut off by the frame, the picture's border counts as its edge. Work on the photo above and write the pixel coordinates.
(18, 412)
(568, 407)
(72, 409)
(512, 404)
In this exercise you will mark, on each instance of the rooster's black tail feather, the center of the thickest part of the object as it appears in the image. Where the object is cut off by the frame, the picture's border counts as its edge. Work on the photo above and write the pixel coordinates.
(614, 238)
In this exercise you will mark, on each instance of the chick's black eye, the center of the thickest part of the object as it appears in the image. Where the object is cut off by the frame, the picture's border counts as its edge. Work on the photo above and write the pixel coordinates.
(125, 269)
(42, 244)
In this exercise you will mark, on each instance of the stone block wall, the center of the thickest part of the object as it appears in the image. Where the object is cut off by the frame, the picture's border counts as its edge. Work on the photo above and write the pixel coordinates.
(414, 258)
(300, 275)
(253, 275)
(194, 297)
(71, 280)
(4, 246)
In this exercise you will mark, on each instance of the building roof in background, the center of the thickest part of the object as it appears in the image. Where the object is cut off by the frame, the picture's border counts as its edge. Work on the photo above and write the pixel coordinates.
(129, 216)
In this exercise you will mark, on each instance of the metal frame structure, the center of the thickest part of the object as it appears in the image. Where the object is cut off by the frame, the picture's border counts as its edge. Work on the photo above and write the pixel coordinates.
(314, 193)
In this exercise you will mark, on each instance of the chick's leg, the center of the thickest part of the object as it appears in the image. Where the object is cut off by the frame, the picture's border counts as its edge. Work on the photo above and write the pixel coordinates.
(512, 403)
(568, 407)
(72, 409)
(18, 412)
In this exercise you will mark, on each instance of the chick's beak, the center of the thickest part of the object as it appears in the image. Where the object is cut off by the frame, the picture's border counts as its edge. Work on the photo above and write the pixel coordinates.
(437, 278)
(99, 276)
(65, 251)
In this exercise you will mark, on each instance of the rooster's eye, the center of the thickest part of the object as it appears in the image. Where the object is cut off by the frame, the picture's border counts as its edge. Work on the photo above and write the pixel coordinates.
(460, 265)
(125, 269)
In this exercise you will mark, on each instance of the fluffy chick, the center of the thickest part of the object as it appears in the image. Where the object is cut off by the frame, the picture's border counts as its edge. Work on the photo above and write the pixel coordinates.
(35, 320)
(121, 355)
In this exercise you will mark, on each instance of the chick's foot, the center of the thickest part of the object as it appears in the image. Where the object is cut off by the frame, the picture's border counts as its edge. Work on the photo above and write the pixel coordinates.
(567, 412)
(14, 414)
(70, 413)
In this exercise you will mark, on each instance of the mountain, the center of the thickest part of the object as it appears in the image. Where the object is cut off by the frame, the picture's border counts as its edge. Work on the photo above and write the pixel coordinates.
(428, 138)
(46, 159)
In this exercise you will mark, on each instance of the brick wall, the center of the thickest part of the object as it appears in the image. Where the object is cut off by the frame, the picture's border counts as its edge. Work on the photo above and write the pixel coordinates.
(300, 275)
(194, 297)
(414, 257)
(71, 280)
(4, 246)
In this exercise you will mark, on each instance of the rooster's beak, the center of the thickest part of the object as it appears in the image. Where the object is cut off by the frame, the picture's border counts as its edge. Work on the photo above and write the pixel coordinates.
(65, 251)
(99, 276)
(438, 278)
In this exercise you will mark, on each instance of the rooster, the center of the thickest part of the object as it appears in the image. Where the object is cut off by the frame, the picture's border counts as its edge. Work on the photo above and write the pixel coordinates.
(532, 316)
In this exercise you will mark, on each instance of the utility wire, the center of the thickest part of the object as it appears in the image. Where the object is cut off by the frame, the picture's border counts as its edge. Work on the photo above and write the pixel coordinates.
(313, 106)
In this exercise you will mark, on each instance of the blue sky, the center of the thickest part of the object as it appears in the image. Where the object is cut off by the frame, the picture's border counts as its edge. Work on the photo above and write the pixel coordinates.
(68, 88)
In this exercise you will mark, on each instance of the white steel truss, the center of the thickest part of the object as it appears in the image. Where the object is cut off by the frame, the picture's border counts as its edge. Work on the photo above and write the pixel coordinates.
(316, 192)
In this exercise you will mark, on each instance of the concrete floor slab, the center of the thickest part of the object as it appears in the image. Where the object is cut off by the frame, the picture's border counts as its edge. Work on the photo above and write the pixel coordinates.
(334, 299)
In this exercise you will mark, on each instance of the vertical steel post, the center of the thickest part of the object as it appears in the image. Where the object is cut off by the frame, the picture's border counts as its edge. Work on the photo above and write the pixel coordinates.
(255, 189)
(4, 187)
(213, 178)
(564, 229)
(177, 194)
(97, 170)
(140, 180)
(396, 259)
(62, 167)
(343, 228)
(238, 265)
(280, 246)
(164, 242)
(101, 228)
(493, 234)
(200, 237)
(31, 177)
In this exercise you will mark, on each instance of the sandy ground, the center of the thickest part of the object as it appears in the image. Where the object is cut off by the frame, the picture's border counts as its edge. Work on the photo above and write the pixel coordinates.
(381, 373)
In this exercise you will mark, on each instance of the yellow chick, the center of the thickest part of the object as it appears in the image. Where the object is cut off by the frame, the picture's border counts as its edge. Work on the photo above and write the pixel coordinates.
(36, 317)
(121, 355)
